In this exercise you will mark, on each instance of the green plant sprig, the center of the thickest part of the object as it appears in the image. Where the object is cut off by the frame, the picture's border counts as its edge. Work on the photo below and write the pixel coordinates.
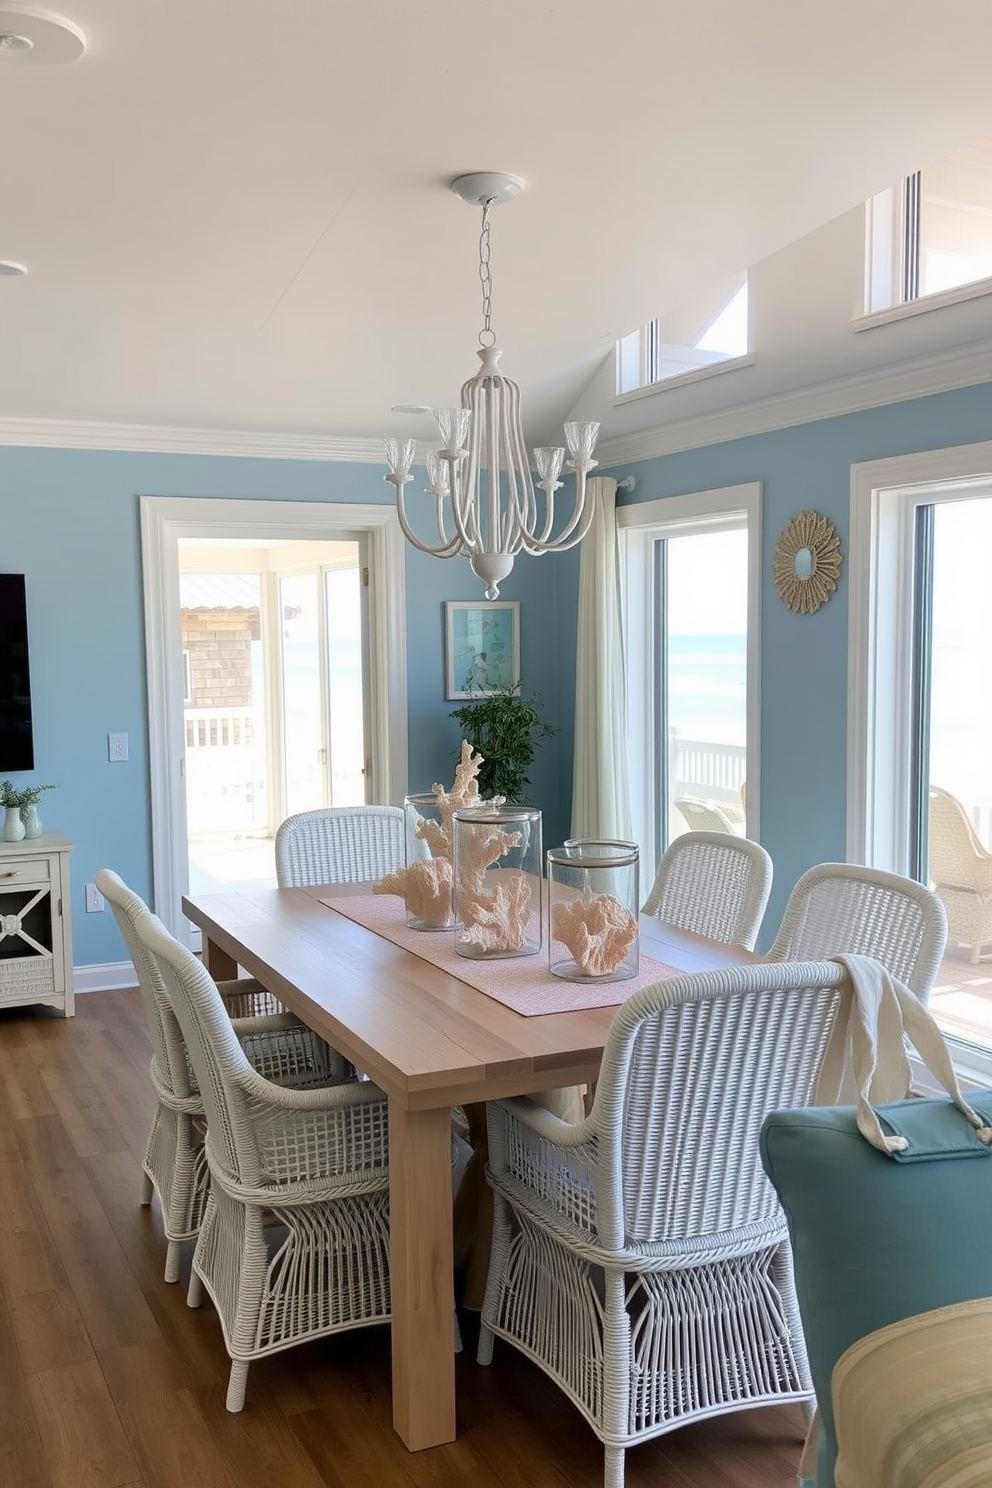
(505, 729)
(28, 795)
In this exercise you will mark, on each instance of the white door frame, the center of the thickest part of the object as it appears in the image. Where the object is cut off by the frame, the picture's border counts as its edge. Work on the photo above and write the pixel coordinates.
(165, 520)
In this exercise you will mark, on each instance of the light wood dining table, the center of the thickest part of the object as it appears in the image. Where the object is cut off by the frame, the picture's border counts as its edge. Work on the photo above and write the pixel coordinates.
(430, 1041)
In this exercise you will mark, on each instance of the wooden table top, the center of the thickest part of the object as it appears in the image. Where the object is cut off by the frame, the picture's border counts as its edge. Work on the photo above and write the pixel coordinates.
(427, 1038)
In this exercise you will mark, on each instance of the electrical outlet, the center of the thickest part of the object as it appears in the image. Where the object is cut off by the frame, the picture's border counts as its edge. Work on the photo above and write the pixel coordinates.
(95, 902)
(116, 747)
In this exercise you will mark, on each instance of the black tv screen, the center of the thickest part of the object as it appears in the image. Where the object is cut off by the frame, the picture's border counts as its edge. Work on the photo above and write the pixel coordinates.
(16, 739)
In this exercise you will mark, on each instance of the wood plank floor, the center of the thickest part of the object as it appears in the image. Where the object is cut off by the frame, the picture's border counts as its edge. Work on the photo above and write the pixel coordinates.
(108, 1380)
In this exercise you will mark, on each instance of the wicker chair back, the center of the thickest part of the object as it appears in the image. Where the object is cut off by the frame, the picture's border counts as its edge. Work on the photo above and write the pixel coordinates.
(714, 883)
(340, 844)
(841, 908)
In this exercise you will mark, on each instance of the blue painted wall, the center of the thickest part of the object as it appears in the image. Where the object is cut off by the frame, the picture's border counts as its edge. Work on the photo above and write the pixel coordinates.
(70, 522)
(804, 657)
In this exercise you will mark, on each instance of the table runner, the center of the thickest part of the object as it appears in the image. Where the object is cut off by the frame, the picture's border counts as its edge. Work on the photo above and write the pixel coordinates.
(522, 983)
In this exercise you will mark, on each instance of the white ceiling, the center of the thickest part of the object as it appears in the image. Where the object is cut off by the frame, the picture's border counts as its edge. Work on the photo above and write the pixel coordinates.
(235, 216)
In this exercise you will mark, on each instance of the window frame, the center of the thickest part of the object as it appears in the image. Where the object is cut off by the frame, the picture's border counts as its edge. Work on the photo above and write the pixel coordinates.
(640, 527)
(885, 497)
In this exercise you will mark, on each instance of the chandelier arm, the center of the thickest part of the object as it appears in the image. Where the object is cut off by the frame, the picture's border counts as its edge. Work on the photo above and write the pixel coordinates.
(508, 529)
(521, 506)
(584, 512)
(463, 512)
(447, 549)
(583, 500)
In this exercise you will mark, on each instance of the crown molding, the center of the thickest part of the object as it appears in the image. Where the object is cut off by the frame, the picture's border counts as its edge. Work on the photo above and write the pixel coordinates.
(916, 378)
(148, 439)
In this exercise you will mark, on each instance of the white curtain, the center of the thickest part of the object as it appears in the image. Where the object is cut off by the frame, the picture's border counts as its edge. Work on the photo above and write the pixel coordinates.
(600, 788)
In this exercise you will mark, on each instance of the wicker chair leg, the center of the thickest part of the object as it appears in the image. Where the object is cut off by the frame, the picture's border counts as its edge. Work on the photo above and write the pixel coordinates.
(147, 1189)
(194, 1294)
(494, 1281)
(613, 1469)
(237, 1385)
(173, 1255)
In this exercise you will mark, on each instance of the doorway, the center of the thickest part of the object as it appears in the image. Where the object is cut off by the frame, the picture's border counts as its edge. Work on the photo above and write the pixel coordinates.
(169, 522)
(275, 679)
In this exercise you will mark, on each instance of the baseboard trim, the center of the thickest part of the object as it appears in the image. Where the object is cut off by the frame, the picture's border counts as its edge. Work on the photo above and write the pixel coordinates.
(108, 976)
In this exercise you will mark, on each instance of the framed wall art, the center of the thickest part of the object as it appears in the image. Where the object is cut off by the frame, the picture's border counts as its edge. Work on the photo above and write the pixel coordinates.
(482, 647)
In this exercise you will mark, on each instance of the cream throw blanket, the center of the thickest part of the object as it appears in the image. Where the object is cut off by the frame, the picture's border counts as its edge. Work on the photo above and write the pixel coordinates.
(865, 1063)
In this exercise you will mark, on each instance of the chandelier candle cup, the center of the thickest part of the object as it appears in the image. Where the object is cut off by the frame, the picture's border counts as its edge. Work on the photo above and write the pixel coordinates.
(497, 882)
(594, 906)
(427, 885)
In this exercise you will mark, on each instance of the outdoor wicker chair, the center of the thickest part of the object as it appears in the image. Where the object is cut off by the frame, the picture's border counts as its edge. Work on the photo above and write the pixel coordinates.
(961, 872)
(702, 816)
(294, 1243)
(340, 844)
(714, 883)
(839, 908)
(640, 1257)
(276, 1043)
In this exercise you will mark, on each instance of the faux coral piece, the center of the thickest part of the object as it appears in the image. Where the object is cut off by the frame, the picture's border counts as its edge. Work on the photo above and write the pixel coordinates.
(599, 931)
(425, 888)
(496, 922)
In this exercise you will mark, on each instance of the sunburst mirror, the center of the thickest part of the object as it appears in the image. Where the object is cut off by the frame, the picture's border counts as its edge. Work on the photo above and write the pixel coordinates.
(806, 562)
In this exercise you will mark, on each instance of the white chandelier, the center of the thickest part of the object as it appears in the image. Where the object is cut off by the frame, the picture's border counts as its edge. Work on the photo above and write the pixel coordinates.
(481, 476)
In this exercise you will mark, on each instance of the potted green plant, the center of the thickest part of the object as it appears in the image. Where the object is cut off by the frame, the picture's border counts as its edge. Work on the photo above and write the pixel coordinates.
(21, 810)
(505, 728)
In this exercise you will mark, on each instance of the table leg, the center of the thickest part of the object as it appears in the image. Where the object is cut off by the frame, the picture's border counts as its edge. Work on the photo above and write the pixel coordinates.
(420, 1246)
(221, 966)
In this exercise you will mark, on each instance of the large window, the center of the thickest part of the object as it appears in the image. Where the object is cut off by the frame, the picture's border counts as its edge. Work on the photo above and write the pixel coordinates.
(932, 233)
(691, 571)
(920, 753)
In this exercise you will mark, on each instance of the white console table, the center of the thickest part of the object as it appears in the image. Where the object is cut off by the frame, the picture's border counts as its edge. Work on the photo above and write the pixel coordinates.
(35, 924)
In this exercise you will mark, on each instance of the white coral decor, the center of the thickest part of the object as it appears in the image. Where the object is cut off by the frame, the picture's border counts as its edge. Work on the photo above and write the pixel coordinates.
(425, 885)
(598, 930)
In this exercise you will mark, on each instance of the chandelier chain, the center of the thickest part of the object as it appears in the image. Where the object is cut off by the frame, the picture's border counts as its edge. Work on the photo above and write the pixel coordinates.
(487, 336)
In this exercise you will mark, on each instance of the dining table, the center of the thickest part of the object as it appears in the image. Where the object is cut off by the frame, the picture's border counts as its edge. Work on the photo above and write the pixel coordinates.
(430, 1040)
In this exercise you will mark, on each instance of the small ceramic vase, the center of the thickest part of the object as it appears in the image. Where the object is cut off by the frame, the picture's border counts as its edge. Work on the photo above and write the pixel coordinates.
(13, 826)
(31, 820)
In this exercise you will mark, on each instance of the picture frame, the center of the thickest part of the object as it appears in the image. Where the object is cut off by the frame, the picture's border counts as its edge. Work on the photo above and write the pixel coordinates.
(482, 647)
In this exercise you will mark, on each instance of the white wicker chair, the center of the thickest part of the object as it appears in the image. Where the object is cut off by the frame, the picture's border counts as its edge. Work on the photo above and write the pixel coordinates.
(640, 1257)
(961, 872)
(340, 844)
(839, 908)
(714, 883)
(294, 1243)
(175, 1165)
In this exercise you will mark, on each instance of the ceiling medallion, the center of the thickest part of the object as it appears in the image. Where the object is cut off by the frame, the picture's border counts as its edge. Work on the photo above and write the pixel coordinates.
(30, 38)
(806, 562)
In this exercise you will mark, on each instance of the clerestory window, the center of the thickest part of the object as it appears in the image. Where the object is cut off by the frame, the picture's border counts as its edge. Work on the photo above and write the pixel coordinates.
(692, 340)
(931, 234)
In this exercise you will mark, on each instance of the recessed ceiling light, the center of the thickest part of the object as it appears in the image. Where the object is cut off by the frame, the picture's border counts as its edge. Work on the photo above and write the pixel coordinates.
(6, 267)
(28, 39)
(410, 408)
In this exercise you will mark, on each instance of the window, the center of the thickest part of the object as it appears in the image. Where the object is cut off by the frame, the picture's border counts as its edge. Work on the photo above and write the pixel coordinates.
(693, 340)
(932, 233)
(692, 663)
(919, 708)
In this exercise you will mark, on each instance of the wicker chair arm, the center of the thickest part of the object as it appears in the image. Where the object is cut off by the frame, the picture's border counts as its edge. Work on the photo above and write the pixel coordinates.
(545, 1123)
(287, 1052)
(550, 1166)
(247, 998)
(336, 1138)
